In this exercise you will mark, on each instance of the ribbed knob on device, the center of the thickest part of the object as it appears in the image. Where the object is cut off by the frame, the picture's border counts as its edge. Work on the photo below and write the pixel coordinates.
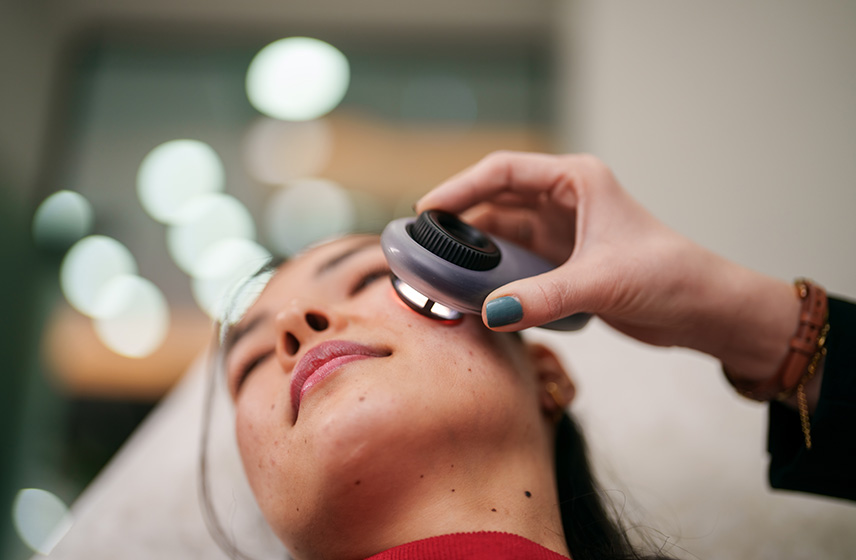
(451, 239)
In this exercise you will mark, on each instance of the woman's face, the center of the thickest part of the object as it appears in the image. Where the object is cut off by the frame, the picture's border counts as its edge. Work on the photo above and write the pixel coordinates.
(351, 407)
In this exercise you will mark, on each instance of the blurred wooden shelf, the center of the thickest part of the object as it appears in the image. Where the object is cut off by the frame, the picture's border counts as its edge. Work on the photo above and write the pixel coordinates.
(84, 367)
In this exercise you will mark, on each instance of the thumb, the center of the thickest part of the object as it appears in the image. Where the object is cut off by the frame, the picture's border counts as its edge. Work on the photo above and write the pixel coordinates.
(541, 299)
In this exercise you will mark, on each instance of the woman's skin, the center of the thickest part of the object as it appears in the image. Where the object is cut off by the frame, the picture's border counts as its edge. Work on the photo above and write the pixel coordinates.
(427, 428)
(616, 260)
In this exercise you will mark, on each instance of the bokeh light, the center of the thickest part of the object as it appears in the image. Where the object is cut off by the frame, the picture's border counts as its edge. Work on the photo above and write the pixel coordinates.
(239, 299)
(307, 211)
(441, 99)
(225, 266)
(61, 219)
(176, 172)
(203, 222)
(277, 151)
(40, 518)
(297, 79)
(131, 316)
(89, 266)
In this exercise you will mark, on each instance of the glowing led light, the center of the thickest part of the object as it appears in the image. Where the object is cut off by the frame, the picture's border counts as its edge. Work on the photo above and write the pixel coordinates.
(131, 316)
(297, 79)
(88, 266)
(278, 151)
(410, 293)
(223, 268)
(176, 172)
(40, 518)
(203, 222)
(61, 219)
(439, 98)
(305, 212)
(444, 312)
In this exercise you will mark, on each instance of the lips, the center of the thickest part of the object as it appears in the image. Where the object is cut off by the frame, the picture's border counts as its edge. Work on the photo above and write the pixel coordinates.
(322, 360)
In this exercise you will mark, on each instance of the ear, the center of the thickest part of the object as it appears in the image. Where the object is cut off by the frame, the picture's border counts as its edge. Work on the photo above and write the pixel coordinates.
(555, 388)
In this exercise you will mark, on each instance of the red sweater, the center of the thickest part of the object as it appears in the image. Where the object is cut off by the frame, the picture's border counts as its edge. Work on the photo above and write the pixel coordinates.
(470, 546)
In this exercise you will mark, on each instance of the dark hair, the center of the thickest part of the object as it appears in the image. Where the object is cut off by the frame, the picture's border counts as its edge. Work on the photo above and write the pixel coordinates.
(590, 532)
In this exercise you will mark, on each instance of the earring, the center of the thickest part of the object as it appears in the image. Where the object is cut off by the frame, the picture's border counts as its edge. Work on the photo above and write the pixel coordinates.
(553, 389)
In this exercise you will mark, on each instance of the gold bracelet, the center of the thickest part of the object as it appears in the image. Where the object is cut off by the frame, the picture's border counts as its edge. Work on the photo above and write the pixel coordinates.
(806, 350)
(802, 400)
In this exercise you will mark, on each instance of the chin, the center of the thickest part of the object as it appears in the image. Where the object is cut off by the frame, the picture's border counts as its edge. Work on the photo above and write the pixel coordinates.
(360, 465)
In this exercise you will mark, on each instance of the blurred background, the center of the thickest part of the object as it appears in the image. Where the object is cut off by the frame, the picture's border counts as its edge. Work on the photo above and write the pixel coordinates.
(153, 152)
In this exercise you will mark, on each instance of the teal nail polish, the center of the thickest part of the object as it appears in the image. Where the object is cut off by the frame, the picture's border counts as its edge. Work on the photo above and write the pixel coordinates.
(503, 311)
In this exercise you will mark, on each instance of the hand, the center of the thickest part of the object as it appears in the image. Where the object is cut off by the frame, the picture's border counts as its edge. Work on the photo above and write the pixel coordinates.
(616, 260)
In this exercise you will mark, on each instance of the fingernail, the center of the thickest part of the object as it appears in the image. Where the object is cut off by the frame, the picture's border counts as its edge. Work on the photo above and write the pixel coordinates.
(503, 311)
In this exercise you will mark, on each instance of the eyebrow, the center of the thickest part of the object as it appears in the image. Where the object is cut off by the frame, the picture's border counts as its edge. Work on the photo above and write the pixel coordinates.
(236, 332)
(344, 255)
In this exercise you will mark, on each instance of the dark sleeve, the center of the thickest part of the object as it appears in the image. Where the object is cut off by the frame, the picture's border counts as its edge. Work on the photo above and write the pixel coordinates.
(829, 467)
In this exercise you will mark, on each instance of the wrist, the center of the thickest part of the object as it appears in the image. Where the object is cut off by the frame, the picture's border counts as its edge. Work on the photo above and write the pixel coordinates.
(750, 319)
(806, 348)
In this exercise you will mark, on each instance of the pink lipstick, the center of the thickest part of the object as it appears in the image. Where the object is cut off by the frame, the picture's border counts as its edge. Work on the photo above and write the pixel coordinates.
(324, 359)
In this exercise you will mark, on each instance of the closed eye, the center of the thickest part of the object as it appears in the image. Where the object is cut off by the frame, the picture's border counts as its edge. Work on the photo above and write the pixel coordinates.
(245, 370)
(366, 279)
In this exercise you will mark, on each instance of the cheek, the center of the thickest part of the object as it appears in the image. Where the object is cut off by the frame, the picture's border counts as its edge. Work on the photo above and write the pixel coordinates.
(255, 441)
(484, 381)
(269, 455)
(280, 470)
(437, 390)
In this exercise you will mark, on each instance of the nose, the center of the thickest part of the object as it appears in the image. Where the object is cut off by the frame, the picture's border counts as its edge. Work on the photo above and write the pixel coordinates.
(299, 324)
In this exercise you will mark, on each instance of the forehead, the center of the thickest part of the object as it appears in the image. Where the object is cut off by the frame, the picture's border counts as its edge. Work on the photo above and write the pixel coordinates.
(317, 264)
(323, 260)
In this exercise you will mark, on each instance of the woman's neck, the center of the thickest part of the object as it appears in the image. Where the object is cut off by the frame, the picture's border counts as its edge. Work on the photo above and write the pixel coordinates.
(509, 496)
(503, 492)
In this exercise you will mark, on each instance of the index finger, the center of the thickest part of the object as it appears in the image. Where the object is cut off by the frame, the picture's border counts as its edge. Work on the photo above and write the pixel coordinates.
(523, 173)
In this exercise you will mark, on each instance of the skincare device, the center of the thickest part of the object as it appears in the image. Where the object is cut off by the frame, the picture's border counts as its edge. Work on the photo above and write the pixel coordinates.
(443, 267)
